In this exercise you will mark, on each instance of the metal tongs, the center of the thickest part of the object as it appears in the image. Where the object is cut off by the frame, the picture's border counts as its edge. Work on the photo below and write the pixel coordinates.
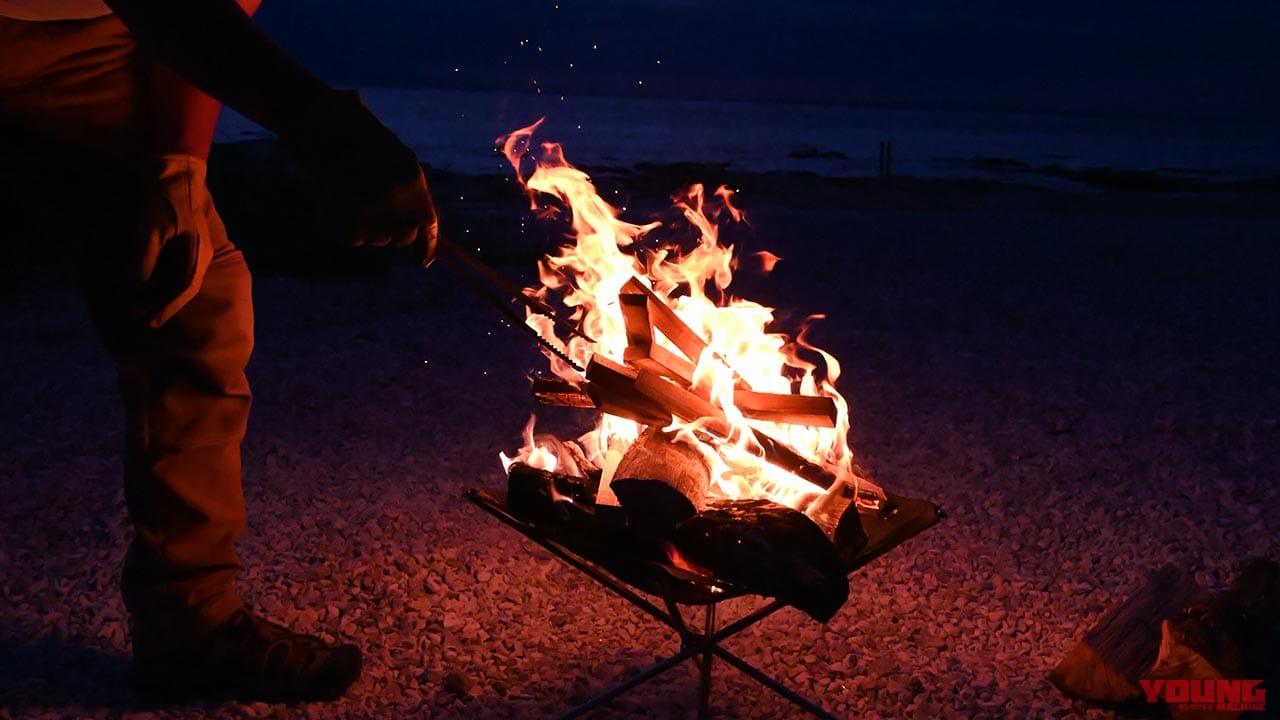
(501, 293)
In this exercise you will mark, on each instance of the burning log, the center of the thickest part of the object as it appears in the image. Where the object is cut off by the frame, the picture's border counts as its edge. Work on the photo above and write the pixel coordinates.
(640, 311)
(815, 411)
(663, 487)
(642, 352)
(770, 548)
(541, 495)
(660, 482)
(665, 482)
(689, 406)
(649, 398)
(682, 402)
(639, 328)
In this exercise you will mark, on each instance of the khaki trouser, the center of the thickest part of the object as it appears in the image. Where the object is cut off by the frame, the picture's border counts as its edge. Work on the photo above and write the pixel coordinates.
(80, 87)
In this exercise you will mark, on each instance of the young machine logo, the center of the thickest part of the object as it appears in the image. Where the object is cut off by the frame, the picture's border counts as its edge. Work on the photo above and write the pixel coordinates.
(1220, 695)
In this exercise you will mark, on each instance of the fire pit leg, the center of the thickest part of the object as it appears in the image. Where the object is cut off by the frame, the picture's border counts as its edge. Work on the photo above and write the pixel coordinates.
(697, 647)
(759, 676)
(616, 690)
(704, 681)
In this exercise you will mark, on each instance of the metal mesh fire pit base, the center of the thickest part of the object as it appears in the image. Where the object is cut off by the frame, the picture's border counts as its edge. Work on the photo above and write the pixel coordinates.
(899, 520)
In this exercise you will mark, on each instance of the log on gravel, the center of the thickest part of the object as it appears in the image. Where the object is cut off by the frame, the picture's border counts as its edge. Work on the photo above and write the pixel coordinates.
(1121, 649)
(1235, 637)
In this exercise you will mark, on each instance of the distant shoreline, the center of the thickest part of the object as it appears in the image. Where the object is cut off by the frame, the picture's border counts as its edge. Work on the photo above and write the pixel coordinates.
(455, 130)
(862, 104)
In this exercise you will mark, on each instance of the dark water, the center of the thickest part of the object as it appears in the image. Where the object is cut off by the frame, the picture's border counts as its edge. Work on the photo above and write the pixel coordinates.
(456, 129)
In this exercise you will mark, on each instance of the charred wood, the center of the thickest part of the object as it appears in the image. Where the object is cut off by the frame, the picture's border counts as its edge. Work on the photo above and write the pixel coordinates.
(540, 495)
(769, 548)
(551, 390)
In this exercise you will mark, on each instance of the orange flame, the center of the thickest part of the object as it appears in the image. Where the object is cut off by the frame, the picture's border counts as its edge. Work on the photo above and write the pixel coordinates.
(587, 276)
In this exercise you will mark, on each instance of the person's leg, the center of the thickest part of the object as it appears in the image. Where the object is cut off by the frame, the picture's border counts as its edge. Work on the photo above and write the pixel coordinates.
(186, 406)
(183, 385)
(182, 380)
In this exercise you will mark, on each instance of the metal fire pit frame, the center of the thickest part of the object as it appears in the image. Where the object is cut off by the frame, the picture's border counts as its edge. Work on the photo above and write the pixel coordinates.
(902, 519)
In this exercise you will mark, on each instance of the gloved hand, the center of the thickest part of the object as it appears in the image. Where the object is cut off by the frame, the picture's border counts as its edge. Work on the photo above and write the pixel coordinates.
(174, 242)
(371, 175)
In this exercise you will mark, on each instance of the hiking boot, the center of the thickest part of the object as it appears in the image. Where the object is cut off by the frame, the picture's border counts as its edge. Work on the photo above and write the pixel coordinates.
(245, 658)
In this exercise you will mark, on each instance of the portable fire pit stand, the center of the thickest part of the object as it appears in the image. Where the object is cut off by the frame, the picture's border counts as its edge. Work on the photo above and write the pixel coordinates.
(897, 521)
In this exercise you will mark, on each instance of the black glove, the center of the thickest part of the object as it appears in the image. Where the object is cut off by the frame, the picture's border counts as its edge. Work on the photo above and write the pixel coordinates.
(375, 180)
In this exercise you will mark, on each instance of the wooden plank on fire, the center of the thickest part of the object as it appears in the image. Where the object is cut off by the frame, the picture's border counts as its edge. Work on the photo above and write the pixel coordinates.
(642, 351)
(666, 363)
(651, 399)
(792, 409)
(612, 387)
(666, 320)
(689, 406)
(639, 328)
(681, 335)
(682, 402)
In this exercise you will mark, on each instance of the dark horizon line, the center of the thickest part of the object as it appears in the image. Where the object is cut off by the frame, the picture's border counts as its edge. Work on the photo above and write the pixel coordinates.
(876, 103)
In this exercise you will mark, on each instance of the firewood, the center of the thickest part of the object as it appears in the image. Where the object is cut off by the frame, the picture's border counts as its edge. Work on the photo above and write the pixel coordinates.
(639, 328)
(642, 309)
(1218, 646)
(612, 387)
(814, 411)
(666, 363)
(666, 320)
(794, 409)
(656, 456)
(651, 399)
(550, 390)
(1179, 661)
(1120, 650)
(776, 407)
(688, 406)
(779, 454)
(642, 351)
(770, 548)
(682, 402)
(654, 460)
(536, 494)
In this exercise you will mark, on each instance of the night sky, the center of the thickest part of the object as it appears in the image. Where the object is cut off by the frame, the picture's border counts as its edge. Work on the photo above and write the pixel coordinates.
(1180, 58)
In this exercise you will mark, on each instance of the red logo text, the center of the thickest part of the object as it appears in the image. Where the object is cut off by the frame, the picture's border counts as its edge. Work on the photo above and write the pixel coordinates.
(1228, 695)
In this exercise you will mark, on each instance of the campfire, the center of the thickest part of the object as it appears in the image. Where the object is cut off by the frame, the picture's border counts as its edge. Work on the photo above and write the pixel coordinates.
(721, 443)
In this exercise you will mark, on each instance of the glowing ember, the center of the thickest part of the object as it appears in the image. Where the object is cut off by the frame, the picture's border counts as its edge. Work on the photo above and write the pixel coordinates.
(728, 354)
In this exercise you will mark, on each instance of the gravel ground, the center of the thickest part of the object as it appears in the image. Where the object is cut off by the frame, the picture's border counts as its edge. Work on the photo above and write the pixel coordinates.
(1086, 383)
